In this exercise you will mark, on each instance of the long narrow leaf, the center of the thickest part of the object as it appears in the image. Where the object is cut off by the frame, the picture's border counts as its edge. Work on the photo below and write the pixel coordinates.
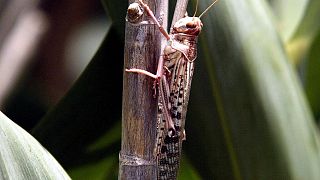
(312, 79)
(264, 122)
(22, 157)
(305, 33)
(288, 15)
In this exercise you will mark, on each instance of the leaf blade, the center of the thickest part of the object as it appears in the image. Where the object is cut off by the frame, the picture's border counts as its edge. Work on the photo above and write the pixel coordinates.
(22, 157)
(259, 101)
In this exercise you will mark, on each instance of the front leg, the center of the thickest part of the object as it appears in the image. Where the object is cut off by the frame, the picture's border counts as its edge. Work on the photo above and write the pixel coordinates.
(164, 92)
(154, 19)
(147, 73)
(156, 76)
(141, 71)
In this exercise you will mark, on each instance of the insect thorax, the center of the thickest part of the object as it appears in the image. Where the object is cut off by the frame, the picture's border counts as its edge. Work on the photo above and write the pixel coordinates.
(186, 44)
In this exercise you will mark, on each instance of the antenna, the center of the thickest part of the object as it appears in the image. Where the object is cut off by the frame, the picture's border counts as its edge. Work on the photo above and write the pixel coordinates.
(207, 8)
(196, 9)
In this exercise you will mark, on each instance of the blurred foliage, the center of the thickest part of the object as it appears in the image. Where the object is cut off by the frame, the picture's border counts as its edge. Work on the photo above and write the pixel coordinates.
(312, 72)
(248, 117)
(88, 110)
(22, 157)
(299, 44)
(257, 96)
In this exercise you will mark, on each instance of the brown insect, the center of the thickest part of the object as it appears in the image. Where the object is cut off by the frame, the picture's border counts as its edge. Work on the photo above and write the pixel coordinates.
(173, 77)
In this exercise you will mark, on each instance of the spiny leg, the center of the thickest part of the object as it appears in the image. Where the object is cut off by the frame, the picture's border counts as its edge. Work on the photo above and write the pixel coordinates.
(154, 19)
(156, 77)
(141, 71)
(164, 91)
(164, 95)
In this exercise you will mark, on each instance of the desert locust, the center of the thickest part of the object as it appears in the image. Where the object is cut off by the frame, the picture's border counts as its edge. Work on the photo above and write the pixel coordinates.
(173, 80)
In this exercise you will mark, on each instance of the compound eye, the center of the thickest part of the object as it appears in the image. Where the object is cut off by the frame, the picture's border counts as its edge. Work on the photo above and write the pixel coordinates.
(191, 25)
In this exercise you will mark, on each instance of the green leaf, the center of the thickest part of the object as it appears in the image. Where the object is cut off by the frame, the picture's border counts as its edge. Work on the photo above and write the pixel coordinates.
(187, 171)
(305, 33)
(288, 15)
(255, 122)
(22, 157)
(312, 84)
(297, 22)
(106, 168)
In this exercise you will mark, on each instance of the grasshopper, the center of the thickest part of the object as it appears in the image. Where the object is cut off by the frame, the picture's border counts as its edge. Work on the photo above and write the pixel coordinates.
(173, 77)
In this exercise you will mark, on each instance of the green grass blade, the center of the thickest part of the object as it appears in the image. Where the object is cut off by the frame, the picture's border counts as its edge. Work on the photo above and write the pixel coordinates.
(267, 128)
(288, 15)
(22, 157)
(304, 35)
(312, 77)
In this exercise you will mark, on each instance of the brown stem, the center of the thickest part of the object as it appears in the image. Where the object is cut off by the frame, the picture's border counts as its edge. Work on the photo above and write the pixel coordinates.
(143, 47)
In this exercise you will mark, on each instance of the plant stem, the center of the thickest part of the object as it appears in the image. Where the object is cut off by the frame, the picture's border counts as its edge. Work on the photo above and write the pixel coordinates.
(143, 46)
